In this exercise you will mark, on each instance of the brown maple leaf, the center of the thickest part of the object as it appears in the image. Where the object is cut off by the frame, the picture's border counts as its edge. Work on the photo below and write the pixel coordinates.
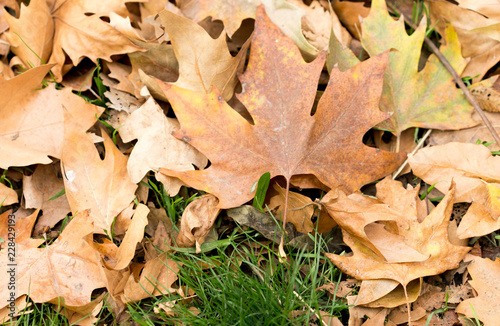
(285, 139)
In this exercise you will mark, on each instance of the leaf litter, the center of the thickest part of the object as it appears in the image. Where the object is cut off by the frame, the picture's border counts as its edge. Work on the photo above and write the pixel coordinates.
(134, 133)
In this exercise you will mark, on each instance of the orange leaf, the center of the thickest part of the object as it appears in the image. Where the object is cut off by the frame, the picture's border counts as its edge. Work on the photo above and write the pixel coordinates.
(284, 139)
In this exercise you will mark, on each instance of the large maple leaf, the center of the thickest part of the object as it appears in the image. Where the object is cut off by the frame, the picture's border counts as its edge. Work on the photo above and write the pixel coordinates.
(285, 139)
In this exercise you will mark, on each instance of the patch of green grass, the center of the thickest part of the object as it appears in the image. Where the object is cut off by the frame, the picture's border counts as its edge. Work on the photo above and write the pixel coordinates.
(244, 283)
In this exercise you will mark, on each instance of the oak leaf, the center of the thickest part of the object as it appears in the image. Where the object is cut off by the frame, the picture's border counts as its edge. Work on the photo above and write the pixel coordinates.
(477, 34)
(156, 147)
(284, 139)
(203, 61)
(232, 13)
(39, 190)
(31, 35)
(75, 29)
(485, 275)
(103, 186)
(427, 236)
(31, 120)
(469, 165)
(67, 271)
(8, 196)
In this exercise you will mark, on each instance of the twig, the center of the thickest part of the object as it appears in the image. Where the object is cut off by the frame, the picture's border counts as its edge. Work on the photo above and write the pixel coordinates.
(420, 143)
(472, 100)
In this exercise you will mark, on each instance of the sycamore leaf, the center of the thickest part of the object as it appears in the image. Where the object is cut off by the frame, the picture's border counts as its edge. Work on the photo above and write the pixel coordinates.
(428, 236)
(232, 13)
(428, 98)
(31, 119)
(65, 272)
(284, 139)
(103, 186)
(485, 275)
(156, 147)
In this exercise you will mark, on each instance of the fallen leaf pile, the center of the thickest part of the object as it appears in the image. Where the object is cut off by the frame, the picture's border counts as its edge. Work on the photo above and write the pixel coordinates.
(134, 131)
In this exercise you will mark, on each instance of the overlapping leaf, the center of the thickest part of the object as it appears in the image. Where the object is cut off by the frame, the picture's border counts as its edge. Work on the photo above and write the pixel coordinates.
(284, 139)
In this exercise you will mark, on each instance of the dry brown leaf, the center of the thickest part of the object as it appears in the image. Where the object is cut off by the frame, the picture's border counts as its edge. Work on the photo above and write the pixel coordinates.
(203, 61)
(485, 275)
(65, 272)
(386, 293)
(428, 237)
(232, 13)
(156, 147)
(197, 220)
(38, 188)
(469, 135)
(351, 14)
(103, 186)
(469, 165)
(300, 208)
(487, 94)
(8, 196)
(31, 35)
(482, 49)
(329, 145)
(482, 217)
(118, 258)
(31, 121)
(488, 8)
(80, 32)
(156, 277)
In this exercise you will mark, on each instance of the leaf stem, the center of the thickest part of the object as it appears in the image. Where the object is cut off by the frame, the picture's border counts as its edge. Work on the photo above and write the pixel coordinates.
(287, 191)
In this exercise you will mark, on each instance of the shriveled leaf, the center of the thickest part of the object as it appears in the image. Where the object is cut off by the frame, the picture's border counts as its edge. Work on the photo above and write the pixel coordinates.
(118, 258)
(31, 120)
(156, 147)
(197, 220)
(65, 272)
(156, 277)
(428, 98)
(301, 210)
(485, 280)
(429, 237)
(103, 186)
(329, 145)
(467, 164)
